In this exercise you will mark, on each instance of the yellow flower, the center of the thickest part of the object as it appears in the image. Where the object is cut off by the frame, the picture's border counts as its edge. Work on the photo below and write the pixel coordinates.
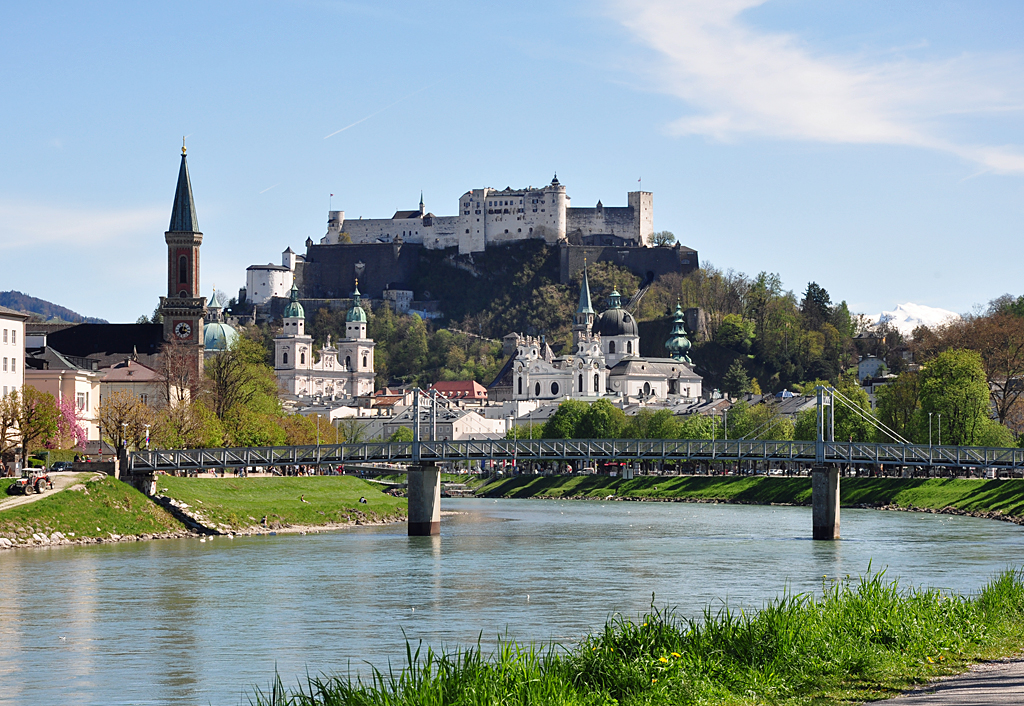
(931, 661)
(663, 659)
(654, 681)
(676, 654)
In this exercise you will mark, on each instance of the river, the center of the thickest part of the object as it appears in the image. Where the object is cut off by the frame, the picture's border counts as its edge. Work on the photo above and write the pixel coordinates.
(190, 622)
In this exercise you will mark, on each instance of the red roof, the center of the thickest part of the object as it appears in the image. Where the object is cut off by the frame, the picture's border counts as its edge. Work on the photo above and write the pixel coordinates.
(131, 371)
(461, 389)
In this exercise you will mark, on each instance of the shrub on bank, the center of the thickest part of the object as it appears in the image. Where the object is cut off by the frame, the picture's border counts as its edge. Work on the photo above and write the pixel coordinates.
(859, 640)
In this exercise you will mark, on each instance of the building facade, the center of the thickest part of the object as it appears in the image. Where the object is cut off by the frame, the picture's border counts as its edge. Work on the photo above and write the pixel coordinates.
(12, 350)
(491, 216)
(344, 370)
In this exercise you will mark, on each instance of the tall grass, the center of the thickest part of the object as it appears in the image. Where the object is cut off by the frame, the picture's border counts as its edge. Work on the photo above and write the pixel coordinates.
(859, 640)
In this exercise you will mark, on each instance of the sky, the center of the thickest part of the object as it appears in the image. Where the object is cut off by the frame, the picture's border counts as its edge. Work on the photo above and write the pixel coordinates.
(876, 148)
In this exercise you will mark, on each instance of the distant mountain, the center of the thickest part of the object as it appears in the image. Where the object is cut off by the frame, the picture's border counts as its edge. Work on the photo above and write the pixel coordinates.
(43, 309)
(907, 317)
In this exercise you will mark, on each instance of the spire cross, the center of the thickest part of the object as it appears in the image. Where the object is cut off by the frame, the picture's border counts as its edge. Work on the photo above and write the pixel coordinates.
(183, 144)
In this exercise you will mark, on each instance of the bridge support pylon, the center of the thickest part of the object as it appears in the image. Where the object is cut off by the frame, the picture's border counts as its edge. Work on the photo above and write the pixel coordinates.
(424, 500)
(825, 502)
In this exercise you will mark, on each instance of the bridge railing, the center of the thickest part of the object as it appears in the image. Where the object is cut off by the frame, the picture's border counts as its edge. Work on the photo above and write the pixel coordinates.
(579, 450)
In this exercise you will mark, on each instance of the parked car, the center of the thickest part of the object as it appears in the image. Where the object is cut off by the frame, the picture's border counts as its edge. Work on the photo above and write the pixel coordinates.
(60, 466)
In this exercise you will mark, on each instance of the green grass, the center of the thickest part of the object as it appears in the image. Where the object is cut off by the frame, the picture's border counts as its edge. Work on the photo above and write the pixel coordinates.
(859, 641)
(1006, 496)
(238, 503)
(102, 507)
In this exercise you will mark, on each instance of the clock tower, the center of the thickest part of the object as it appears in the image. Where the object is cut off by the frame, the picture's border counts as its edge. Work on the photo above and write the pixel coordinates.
(183, 309)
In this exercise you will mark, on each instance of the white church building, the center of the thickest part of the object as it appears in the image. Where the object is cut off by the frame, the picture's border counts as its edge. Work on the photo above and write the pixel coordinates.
(342, 370)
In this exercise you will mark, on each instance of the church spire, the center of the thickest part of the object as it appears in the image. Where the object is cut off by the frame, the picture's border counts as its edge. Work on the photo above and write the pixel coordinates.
(585, 306)
(183, 213)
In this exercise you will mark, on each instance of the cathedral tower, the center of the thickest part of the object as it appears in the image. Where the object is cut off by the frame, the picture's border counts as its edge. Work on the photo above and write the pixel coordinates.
(184, 309)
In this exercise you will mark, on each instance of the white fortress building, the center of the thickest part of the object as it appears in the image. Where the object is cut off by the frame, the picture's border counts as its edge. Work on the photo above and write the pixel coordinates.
(488, 217)
(262, 282)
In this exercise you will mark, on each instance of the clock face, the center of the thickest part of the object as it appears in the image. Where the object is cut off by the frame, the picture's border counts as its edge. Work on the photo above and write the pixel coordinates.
(183, 330)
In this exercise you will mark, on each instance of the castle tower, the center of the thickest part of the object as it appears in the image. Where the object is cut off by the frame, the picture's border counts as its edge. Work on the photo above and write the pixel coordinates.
(643, 216)
(184, 309)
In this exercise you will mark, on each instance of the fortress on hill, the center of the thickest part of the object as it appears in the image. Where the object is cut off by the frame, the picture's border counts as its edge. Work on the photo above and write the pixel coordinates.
(490, 217)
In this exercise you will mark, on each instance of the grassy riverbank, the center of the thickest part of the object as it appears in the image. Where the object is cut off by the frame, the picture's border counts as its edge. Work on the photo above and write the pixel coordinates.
(239, 503)
(969, 495)
(90, 509)
(860, 641)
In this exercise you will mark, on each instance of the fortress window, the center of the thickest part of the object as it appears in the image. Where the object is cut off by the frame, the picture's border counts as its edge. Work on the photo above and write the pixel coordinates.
(506, 230)
(520, 230)
(467, 230)
(531, 230)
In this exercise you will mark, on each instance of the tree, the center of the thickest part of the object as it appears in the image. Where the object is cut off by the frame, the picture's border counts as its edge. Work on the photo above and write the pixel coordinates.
(565, 420)
(735, 332)
(239, 378)
(10, 409)
(699, 426)
(646, 424)
(71, 432)
(352, 430)
(176, 366)
(401, 434)
(953, 385)
(898, 404)
(663, 237)
(816, 306)
(601, 420)
(736, 381)
(187, 425)
(123, 418)
(35, 415)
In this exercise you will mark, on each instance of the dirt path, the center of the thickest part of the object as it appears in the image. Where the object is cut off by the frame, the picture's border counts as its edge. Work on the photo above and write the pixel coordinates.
(60, 482)
(989, 684)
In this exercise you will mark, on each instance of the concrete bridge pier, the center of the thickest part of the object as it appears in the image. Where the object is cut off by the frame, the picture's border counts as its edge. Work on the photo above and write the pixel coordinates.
(825, 502)
(424, 500)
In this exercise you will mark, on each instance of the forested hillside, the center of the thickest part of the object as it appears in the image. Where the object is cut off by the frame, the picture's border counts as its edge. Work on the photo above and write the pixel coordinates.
(43, 309)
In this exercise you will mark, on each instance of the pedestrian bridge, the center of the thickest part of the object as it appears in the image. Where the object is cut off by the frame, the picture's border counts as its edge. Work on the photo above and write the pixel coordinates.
(816, 453)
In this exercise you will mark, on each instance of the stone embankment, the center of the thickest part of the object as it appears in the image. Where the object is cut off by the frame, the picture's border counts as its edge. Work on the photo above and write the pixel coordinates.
(56, 539)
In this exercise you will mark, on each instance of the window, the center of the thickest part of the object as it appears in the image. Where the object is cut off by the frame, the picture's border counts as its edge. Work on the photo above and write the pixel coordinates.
(520, 387)
(536, 390)
(554, 388)
(284, 358)
(5, 335)
(82, 401)
(629, 346)
(581, 384)
(5, 365)
(13, 366)
(611, 346)
(597, 383)
(302, 358)
(364, 361)
(348, 361)
(144, 398)
(183, 270)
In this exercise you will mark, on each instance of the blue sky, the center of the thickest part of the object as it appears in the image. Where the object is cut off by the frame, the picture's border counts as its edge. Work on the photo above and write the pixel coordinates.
(874, 147)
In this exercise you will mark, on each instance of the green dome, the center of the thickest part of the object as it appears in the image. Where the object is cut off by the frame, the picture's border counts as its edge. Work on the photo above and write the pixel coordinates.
(678, 344)
(356, 313)
(218, 336)
(294, 310)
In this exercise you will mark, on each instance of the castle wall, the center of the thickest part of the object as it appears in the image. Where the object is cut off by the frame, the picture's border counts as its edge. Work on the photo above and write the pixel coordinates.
(330, 271)
(643, 262)
(616, 220)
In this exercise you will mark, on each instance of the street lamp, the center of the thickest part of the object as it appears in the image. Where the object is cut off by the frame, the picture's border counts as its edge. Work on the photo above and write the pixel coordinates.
(929, 430)
(940, 428)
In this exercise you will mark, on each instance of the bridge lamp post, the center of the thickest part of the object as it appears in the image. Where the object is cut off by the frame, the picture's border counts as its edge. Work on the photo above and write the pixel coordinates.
(929, 430)
(147, 437)
(940, 428)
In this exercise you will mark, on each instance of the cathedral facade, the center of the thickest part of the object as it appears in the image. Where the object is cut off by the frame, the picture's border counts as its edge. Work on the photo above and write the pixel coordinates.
(342, 370)
(605, 361)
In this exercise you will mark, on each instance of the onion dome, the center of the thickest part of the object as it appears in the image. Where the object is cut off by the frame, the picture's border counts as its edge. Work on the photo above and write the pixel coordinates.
(678, 344)
(294, 310)
(218, 336)
(356, 313)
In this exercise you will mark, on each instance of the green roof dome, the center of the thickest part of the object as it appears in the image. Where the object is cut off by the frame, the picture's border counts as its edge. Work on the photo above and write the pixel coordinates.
(356, 313)
(294, 310)
(218, 336)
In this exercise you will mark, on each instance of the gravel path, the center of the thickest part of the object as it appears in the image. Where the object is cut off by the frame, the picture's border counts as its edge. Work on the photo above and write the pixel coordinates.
(60, 482)
(999, 683)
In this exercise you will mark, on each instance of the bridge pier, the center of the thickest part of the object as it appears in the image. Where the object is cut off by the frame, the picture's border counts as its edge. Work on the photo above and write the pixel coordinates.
(825, 502)
(424, 500)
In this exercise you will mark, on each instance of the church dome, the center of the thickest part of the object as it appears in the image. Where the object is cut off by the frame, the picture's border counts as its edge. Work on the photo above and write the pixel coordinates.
(616, 322)
(294, 310)
(218, 336)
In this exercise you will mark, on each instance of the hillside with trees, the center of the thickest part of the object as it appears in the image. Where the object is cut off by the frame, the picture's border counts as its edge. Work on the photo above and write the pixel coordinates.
(42, 310)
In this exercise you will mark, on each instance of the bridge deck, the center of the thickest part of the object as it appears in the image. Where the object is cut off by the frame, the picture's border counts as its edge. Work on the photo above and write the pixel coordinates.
(545, 450)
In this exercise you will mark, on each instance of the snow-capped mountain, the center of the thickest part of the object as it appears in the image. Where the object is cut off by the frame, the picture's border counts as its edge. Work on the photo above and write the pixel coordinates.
(907, 317)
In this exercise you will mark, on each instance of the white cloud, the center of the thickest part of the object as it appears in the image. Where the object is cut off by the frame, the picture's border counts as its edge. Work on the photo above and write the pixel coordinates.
(743, 81)
(28, 224)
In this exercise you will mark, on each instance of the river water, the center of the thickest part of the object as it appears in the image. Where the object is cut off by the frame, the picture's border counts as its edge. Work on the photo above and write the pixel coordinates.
(187, 622)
